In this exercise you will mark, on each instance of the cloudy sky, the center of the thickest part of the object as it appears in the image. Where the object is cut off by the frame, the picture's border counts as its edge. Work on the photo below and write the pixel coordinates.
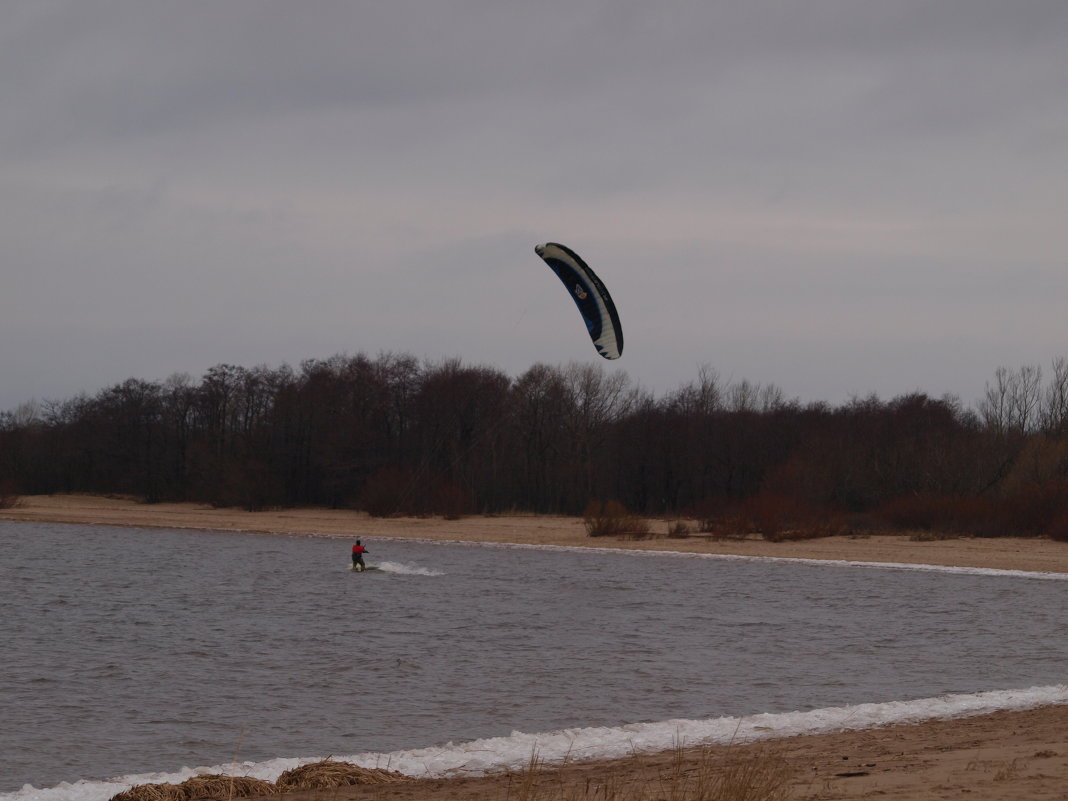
(836, 196)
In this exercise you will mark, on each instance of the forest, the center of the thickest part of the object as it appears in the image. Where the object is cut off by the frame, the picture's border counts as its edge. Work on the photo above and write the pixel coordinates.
(393, 435)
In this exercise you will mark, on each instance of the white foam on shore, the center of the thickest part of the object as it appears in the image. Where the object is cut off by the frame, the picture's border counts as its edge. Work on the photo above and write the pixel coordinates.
(514, 752)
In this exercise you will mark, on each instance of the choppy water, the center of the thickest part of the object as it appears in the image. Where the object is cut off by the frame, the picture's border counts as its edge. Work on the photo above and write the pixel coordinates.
(130, 651)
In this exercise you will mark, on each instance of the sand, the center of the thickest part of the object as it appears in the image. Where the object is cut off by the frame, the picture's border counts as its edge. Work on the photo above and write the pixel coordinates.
(1006, 755)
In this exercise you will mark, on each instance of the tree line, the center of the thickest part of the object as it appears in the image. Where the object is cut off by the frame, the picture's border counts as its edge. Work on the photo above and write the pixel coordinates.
(393, 435)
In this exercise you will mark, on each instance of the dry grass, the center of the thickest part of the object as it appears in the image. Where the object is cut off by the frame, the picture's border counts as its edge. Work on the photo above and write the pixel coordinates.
(328, 774)
(152, 792)
(324, 775)
(716, 777)
(224, 787)
(200, 788)
(763, 778)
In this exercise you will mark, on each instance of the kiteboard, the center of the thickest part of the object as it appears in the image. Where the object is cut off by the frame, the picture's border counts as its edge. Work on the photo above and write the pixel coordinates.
(355, 569)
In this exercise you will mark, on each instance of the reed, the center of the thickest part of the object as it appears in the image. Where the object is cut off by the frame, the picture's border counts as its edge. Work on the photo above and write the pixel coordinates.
(716, 776)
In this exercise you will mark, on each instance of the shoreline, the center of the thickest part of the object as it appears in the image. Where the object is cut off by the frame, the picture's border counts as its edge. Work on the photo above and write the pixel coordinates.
(1009, 553)
(1016, 751)
(991, 757)
(1004, 754)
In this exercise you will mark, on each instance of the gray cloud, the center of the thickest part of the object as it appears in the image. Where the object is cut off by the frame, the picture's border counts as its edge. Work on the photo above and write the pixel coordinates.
(836, 197)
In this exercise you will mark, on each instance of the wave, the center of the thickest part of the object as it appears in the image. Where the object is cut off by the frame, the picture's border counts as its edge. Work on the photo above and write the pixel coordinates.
(513, 752)
(407, 570)
(730, 557)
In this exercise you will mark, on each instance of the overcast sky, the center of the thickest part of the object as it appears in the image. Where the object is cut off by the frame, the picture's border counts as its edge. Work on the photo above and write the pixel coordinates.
(836, 196)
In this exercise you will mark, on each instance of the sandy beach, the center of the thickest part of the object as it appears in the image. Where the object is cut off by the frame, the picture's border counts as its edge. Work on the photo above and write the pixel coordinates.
(1006, 755)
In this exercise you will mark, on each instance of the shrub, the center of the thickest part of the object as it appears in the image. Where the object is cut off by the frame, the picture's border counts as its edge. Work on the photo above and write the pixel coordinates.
(450, 501)
(770, 515)
(721, 518)
(1038, 509)
(783, 517)
(9, 495)
(388, 493)
(392, 492)
(679, 530)
(776, 517)
(956, 514)
(1058, 529)
(611, 519)
(1031, 511)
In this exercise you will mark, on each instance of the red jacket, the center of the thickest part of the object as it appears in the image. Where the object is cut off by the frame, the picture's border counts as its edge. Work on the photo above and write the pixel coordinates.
(358, 550)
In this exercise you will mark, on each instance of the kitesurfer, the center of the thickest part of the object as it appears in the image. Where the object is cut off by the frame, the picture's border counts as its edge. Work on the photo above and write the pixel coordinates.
(357, 556)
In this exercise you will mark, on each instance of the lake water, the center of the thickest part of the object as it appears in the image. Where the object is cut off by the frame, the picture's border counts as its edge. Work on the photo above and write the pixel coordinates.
(128, 651)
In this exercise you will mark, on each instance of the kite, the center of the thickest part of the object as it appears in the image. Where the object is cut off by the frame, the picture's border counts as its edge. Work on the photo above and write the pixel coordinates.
(590, 295)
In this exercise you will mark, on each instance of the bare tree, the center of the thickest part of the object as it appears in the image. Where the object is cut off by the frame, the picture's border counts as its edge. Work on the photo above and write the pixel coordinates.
(1055, 401)
(994, 407)
(597, 400)
(746, 396)
(701, 397)
(1012, 403)
(26, 414)
(743, 396)
(1026, 400)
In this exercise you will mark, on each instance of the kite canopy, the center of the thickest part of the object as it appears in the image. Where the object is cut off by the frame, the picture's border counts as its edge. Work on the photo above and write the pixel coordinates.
(590, 295)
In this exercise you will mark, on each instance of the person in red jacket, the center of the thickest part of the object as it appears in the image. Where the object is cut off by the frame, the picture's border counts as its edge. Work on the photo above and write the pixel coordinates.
(357, 556)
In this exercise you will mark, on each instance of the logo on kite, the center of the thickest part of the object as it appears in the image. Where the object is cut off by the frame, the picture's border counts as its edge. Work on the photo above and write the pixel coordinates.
(590, 295)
